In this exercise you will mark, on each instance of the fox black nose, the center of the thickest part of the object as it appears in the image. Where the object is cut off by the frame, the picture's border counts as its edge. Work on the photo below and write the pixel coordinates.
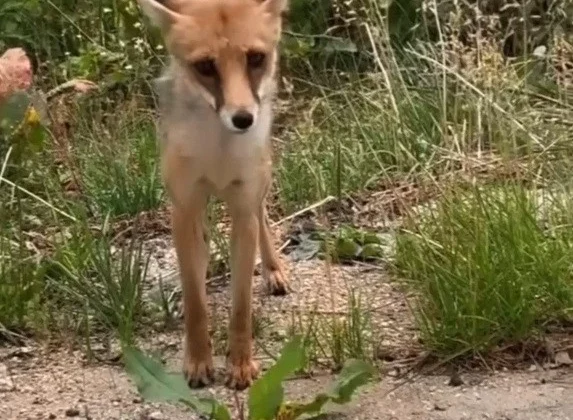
(242, 119)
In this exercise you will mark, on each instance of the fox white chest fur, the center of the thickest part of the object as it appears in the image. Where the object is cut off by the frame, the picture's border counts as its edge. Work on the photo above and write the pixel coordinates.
(190, 128)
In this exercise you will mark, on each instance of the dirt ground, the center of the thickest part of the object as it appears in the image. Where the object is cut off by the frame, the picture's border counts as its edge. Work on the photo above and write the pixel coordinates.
(59, 386)
(42, 382)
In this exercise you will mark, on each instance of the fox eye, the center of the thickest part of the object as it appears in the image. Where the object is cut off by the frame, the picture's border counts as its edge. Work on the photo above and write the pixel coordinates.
(255, 59)
(206, 67)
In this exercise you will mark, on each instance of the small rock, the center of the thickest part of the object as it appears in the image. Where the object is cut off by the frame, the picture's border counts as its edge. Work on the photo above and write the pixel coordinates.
(439, 407)
(72, 412)
(532, 368)
(20, 353)
(156, 415)
(562, 359)
(51, 416)
(455, 379)
(26, 389)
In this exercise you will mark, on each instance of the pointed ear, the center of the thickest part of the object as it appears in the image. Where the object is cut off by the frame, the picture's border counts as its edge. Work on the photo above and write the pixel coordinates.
(159, 14)
(276, 7)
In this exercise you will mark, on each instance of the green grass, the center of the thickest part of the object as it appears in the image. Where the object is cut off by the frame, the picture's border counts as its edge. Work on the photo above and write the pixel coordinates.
(120, 168)
(21, 288)
(101, 282)
(397, 124)
(486, 268)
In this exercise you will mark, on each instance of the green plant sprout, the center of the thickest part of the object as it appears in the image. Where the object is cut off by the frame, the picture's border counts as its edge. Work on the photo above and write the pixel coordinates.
(265, 397)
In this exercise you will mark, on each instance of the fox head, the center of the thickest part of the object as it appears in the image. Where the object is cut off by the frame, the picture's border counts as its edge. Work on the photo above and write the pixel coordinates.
(226, 48)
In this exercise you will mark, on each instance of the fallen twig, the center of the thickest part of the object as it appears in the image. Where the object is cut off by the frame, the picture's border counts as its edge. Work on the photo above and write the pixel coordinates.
(305, 210)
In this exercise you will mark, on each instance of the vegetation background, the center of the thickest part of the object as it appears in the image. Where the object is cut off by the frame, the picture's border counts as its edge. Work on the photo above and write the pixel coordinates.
(453, 118)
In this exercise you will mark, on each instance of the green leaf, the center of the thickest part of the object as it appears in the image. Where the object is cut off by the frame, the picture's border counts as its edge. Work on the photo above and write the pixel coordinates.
(35, 136)
(346, 248)
(13, 110)
(155, 383)
(371, 251)
(266, 394)
(371, 238)
(354, 374)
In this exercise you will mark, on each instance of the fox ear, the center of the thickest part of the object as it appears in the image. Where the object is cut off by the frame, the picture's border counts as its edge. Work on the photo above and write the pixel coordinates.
(159, 14)
(276, 7)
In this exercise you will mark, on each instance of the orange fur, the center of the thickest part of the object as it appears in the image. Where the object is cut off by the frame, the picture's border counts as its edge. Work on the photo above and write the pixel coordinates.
(216, 115)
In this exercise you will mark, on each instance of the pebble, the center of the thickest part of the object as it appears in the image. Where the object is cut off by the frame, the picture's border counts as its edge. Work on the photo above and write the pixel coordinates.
(156, 415)
(455, 380)
(72, 412)
(563, 359)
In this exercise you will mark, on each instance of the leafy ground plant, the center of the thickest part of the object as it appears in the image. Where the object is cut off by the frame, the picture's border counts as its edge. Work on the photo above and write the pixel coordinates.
(266, 395)
(343, 245)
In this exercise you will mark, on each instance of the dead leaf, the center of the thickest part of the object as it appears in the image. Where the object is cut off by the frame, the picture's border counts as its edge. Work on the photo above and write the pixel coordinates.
(83, 86)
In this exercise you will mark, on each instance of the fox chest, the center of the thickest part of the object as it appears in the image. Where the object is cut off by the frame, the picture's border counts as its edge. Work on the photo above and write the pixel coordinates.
(200, 156)
(197, 147)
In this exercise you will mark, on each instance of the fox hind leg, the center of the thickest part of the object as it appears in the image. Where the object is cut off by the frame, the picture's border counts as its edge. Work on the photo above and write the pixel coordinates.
(272, 268)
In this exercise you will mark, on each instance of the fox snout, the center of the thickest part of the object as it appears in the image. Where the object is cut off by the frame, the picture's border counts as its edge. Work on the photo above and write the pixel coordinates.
(238, 119)
(242, 119)
(231, 82)
(239, 84)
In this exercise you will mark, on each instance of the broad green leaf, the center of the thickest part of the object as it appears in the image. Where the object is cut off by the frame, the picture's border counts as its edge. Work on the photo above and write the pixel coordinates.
(266, 394)
(354, 374)
(346, 248)
(370, 251)
(371, 238)
(155, 383)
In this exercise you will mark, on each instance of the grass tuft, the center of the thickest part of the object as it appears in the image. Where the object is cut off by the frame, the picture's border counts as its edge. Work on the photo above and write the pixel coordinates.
(485, 268)
(102, 282)
(120, 172)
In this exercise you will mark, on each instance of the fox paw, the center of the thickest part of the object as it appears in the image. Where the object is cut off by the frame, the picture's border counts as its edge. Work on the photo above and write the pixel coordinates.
(241, 373)
(276, 281)
(198, 373)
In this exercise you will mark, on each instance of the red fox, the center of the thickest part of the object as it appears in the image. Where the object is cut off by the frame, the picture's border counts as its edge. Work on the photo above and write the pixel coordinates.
(215, 102)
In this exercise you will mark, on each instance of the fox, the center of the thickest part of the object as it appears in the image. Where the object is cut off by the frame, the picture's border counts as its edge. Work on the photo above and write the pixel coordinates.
(215, 102)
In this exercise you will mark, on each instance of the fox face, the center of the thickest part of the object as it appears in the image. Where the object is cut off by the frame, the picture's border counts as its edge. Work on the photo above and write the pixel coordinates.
(226, 48)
